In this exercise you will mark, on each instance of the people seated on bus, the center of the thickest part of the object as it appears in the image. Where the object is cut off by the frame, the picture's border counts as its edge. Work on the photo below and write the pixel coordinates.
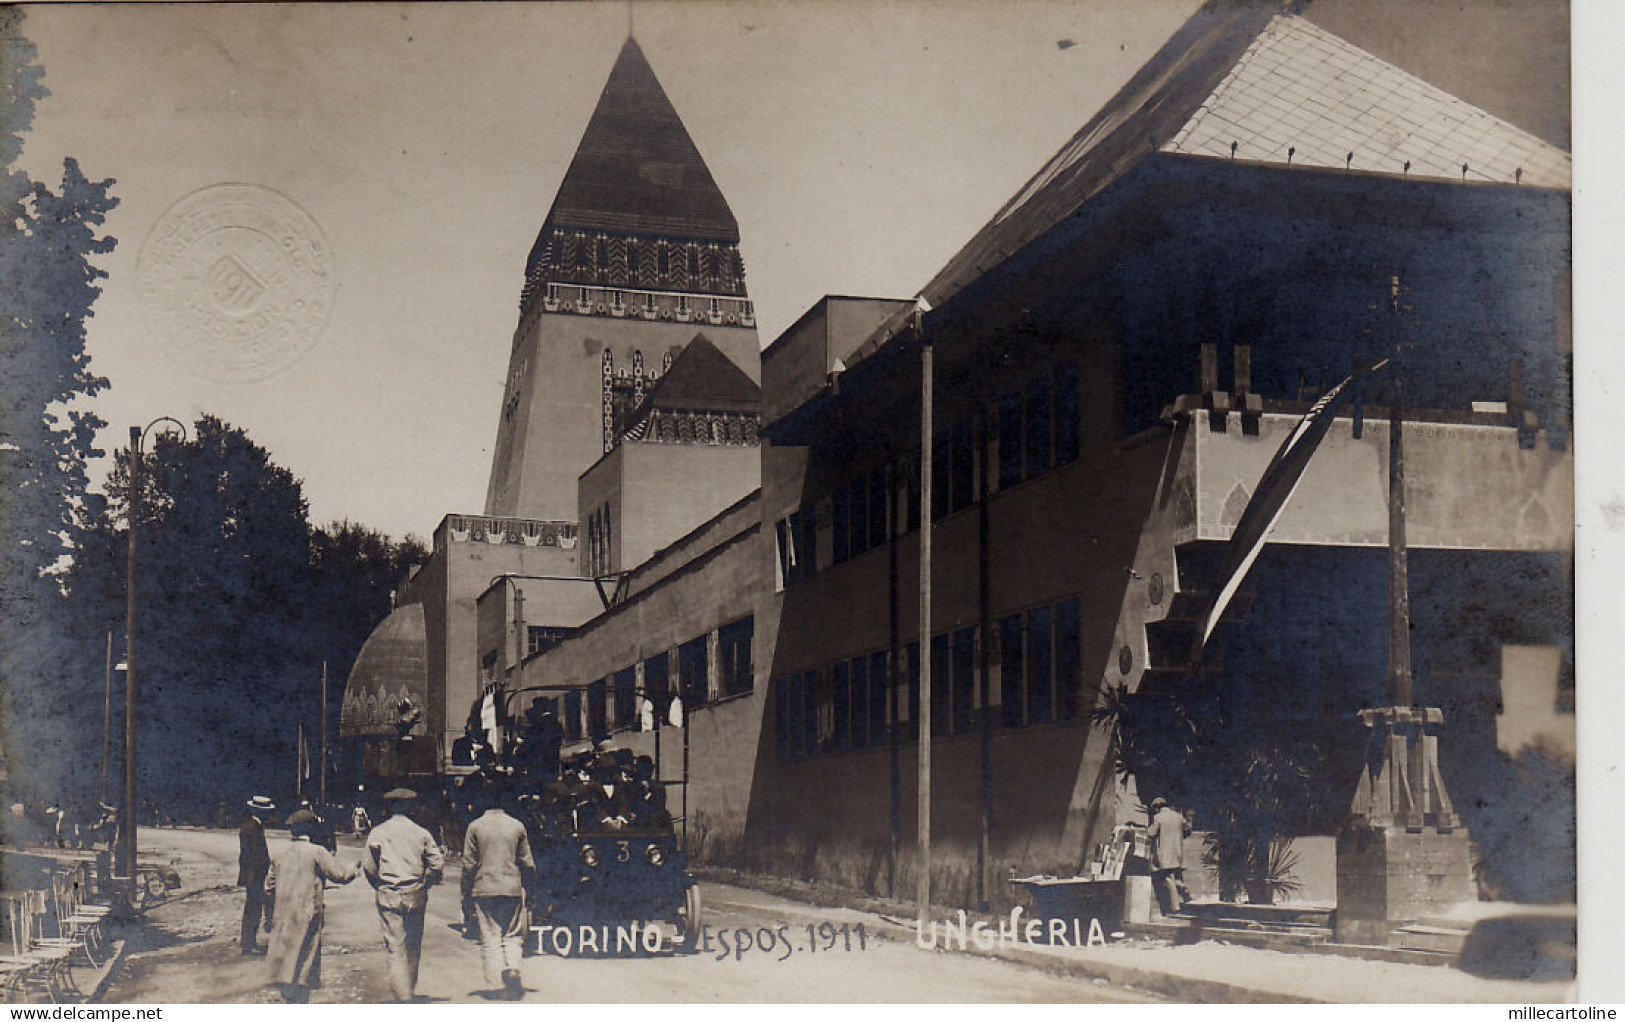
(539, 742)
(611, 796)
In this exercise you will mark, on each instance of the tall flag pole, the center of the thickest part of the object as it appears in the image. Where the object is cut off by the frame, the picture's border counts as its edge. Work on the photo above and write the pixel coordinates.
(1400, 688)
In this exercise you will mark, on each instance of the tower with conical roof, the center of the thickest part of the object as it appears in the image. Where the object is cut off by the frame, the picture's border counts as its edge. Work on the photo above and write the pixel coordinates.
(637, 255)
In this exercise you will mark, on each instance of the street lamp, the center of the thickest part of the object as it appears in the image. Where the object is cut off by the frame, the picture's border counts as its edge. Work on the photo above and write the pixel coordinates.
(126, 850)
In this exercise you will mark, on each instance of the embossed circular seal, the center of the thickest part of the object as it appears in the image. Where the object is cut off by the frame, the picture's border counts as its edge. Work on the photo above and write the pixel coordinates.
(237, 282)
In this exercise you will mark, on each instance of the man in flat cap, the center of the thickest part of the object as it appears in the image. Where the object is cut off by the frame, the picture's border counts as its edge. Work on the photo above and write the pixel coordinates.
(253, 862)
(402, 862)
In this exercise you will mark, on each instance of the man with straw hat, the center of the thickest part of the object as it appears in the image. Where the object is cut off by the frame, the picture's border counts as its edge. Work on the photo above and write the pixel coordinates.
(295, 884)
(402, 862)
(253, 862)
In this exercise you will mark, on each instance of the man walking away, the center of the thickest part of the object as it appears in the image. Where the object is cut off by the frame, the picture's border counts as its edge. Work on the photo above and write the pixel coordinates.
(496, 855)
(402, 862)
(253, 862)
(296, 883)
(1168, 833)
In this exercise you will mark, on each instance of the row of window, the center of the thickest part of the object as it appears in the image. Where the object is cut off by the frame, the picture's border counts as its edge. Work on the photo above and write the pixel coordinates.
(1036, 431)
(599, 539)
(615, 703)
(598, 254)
(859, 703)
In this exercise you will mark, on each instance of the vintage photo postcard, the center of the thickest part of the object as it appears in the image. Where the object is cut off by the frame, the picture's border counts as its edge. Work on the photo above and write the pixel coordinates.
(1055, 501)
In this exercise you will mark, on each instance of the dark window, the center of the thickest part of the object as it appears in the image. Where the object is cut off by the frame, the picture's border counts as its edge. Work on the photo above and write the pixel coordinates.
(1040, 668)
(1010, 674)
(795, 708)
(632, 259)
(1009, 441)
(734, 656)
(626, 698)
(939, 475)
(1068, 678)
(663, 257)
(1066, 414)
(840, 685)
(879, 684)
(597, 709)
(572, 715)
(912, 731)
(1038, 429)
(809, 713)
(964, 678)
(962, 466)
(798, 545)
(839, 510)
(911, 483)
(657, 686)
(693, 683)
(860, 702)
(858, 501)
(941, 687)
(787, 565)
(784, 704)
(693, 261)
(806, 543)
(878, 523)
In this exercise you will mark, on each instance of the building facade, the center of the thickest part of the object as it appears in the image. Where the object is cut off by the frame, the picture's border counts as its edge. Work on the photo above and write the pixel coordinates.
(1114, 360)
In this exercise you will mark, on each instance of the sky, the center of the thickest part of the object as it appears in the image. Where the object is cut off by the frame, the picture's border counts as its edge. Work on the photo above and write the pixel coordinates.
(858, 144)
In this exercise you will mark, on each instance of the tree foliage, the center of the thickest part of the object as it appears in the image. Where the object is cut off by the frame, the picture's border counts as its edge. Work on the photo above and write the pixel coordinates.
(240, 602)
(48, 283)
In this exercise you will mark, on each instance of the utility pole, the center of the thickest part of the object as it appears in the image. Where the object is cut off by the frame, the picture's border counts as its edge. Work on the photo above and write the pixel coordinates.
(322, 788)
(126, 851)
(926, 523)
(107, 720)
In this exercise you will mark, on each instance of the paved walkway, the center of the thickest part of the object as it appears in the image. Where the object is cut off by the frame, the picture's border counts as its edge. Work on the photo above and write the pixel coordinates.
(1209, 971)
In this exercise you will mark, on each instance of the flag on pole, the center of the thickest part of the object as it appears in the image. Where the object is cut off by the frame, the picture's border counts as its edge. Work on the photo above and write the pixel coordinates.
(1275, 489)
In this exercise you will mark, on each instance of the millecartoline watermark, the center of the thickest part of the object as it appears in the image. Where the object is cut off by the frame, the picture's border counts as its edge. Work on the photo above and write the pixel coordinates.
(961, 934)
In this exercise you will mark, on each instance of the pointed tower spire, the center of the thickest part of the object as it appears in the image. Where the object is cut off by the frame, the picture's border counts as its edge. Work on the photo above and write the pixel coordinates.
(637, 176)
(638, 250)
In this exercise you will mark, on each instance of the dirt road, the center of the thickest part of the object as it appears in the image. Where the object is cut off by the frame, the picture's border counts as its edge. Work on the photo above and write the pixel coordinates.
(186, 951)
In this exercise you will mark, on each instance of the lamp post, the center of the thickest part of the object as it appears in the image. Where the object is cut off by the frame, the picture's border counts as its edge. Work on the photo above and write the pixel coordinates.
(126, 850)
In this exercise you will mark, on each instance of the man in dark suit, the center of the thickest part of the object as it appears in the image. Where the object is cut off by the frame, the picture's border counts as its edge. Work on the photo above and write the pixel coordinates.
(253, 862)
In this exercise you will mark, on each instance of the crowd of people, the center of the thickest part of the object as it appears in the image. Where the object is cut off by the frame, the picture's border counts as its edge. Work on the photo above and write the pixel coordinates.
(76, 825)
(511, 827)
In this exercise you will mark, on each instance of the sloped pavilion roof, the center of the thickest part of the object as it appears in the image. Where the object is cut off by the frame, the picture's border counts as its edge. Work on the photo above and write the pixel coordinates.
(636, 170)
(1301, 90)
(1272, 83)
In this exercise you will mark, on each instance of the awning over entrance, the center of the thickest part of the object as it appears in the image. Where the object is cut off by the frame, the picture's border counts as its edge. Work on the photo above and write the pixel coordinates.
(387, 694)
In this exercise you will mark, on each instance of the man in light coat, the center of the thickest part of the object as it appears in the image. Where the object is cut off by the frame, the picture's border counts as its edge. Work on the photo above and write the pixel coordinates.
(496, 858)
(295, 886)
(402, 862)
(1168, 833)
